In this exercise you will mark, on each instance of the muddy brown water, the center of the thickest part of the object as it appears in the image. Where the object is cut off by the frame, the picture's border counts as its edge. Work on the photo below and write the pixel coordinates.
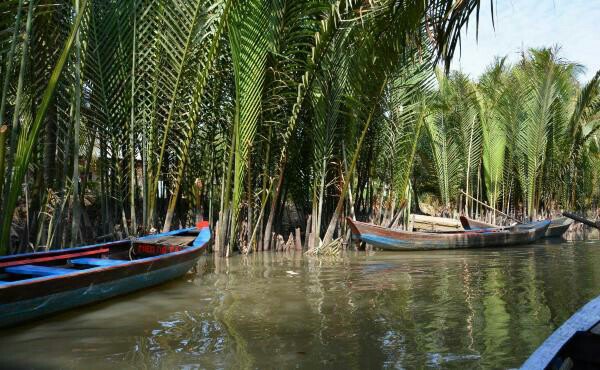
(487, 308)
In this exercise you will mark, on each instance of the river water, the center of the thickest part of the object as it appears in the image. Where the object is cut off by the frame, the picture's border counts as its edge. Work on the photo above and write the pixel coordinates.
(487, 308)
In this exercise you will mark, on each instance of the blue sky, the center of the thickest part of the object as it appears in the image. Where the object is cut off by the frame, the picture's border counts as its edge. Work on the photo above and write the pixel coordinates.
(521, 24)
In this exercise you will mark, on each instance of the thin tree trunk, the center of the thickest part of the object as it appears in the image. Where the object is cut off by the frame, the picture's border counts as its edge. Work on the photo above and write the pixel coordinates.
(107, 223)
(318, 211)
(3, 132)
(133, 175)
(77, 91)
(250, 198)
(144, 182)
(273, 210)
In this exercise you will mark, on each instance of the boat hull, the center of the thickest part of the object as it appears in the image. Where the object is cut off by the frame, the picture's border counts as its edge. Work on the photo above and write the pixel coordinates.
(558, 227)
(397, 240)
(39, 297)
(25, 310)
(575, 342)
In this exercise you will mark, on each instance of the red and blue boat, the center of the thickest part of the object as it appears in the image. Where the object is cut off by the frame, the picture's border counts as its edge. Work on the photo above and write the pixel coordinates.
(39, 284)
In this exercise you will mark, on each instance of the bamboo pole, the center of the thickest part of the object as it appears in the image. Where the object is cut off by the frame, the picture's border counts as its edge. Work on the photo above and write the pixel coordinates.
(490, 207)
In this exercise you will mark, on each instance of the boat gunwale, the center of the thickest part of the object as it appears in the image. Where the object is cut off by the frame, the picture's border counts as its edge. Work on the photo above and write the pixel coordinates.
(584, 319)
(196, 245)
(565, 222)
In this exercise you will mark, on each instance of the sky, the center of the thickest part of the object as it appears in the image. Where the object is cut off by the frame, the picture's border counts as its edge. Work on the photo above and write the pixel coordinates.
(574, 25)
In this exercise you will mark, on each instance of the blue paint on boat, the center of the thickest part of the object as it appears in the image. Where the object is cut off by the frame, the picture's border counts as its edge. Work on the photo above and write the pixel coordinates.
(203, 237)
(21, 311)
(383, 241)
(96, 262)
(34, 270)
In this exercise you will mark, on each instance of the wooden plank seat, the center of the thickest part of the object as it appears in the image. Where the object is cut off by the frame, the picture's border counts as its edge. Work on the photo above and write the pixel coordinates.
(100, 262)
(34, 270)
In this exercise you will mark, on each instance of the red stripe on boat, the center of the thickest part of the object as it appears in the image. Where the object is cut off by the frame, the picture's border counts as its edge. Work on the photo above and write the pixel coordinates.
(53, 258)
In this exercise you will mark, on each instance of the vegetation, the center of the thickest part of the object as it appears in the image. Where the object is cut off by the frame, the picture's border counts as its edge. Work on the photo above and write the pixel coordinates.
(523, 137)
(119, 117)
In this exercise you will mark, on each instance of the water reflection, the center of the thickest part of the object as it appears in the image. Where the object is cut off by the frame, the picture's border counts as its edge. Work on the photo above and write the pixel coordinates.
(445, 309)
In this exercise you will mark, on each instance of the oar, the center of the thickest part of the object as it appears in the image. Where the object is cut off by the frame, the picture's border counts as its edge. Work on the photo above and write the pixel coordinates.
(492, 208)
(584, 221)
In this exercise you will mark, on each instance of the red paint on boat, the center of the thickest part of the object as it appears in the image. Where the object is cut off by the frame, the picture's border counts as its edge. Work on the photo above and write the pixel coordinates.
(53, 258)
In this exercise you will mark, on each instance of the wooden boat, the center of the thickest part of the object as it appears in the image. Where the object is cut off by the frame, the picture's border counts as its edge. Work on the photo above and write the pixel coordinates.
(583, 220)
(574, 345)
(38, 284)
(431, 223)
(557, 228)
(390, 239)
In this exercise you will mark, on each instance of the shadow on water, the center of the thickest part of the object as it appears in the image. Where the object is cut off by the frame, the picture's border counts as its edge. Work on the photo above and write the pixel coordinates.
(443, 309)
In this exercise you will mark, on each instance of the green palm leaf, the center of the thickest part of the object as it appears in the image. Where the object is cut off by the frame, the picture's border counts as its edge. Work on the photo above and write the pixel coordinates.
(27, 140)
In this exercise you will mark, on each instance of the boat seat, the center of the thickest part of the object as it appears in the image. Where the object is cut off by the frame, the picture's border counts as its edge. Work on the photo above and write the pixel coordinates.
(37, 270)
(96, 262)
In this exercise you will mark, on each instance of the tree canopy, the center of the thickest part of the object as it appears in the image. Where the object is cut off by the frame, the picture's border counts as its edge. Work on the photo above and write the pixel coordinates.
(265, 115)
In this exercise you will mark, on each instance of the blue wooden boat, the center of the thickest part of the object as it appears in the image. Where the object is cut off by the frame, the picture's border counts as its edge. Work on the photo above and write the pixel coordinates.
(397, 240)
(38, 284)
(574, 345)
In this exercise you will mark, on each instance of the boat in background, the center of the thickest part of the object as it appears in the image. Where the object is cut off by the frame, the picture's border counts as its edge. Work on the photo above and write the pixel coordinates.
(38, 284)
(432, 223)
(398, 240)
(557, 228)
(471, 224)
(574, 345)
